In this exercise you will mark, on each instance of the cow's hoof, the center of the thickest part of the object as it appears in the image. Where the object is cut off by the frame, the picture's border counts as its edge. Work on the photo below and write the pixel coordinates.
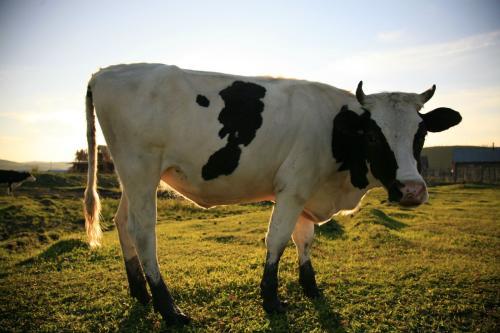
(177, 319)
(312, 292)
(275, 306)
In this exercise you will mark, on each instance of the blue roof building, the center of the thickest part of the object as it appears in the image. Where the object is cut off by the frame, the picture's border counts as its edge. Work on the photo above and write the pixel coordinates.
(476, 165)
(476, 155)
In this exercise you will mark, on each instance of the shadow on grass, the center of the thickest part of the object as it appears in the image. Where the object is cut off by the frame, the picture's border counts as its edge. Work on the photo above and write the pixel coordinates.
(330, 321)
(220, 239)
(56, 250)
(278, 322)
(137, 320)
(332, 229)
(387, 221)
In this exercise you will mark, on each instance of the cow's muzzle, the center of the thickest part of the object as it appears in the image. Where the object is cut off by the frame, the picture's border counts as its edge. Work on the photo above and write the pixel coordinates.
(414, 193)
(408, 193)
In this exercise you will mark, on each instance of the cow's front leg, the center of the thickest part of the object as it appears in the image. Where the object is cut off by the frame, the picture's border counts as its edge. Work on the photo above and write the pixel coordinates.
(141, 227)
(283, 219)
(303, 236)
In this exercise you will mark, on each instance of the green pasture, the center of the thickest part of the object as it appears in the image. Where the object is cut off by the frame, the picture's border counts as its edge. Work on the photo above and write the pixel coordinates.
(435, 268)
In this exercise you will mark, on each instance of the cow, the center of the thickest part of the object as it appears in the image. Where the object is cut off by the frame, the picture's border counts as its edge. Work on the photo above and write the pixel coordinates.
(219, 139)
(14, 179)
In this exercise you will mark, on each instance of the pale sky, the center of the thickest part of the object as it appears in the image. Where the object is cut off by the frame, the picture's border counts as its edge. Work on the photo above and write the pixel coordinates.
(49, 49)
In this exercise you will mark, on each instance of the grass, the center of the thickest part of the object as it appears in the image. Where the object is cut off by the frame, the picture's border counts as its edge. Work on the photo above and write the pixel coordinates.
(387, 268)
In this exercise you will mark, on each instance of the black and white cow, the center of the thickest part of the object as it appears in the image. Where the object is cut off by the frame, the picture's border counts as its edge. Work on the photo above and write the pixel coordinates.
(219, 139)
(14, 179)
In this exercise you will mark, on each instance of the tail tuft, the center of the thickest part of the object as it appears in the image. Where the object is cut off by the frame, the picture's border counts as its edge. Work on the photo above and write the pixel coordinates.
(92, 211)
(91, 202)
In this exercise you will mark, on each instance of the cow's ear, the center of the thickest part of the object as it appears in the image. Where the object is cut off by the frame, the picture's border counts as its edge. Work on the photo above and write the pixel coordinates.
(441, 119)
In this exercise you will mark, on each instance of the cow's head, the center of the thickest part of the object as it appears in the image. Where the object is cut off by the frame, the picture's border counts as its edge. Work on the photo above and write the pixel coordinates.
(387, 139)
(30, 178)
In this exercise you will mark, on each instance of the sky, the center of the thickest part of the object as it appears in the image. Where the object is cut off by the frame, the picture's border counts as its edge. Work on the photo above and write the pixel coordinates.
(49, 49)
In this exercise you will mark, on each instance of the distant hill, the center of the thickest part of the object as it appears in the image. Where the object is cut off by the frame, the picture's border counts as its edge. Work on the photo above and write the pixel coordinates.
(40, 166)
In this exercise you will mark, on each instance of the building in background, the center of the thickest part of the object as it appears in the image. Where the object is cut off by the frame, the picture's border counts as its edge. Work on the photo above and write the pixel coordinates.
(476, 165)
(461, 164)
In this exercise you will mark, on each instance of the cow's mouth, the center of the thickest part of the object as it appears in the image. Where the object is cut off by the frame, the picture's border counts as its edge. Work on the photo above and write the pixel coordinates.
(407, 194)
(394, 191)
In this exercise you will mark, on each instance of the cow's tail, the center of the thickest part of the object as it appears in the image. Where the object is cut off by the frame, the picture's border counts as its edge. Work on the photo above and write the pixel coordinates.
(91, 202)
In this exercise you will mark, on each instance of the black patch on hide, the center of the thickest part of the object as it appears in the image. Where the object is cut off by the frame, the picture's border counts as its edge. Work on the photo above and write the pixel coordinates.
(418, 144)
(202, 101)
(357, 141)
(379, 155)
(241, 118)
(347, 146)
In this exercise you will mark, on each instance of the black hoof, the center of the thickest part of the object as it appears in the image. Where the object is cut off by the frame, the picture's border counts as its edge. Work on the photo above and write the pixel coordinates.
(176, 319)
(276, 306)
(164, 304)
(312, 293)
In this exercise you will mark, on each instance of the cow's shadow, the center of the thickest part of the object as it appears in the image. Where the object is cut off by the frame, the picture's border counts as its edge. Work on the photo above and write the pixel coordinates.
(329, 320)
(331, 230)
(137, 319)
(142, 318)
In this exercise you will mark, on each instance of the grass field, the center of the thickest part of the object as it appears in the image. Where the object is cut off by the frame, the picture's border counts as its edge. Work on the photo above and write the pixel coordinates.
(435, 268)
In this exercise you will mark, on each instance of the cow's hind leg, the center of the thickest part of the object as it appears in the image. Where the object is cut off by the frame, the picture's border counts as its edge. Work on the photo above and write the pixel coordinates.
(135, 275)
(283, 219)
(140, 189)
(302, 236)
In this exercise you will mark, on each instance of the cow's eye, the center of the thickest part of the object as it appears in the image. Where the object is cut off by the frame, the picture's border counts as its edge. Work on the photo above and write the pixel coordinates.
(371, 138)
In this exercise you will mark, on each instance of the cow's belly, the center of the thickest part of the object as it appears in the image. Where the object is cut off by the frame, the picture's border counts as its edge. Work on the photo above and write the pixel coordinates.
(223, 191)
